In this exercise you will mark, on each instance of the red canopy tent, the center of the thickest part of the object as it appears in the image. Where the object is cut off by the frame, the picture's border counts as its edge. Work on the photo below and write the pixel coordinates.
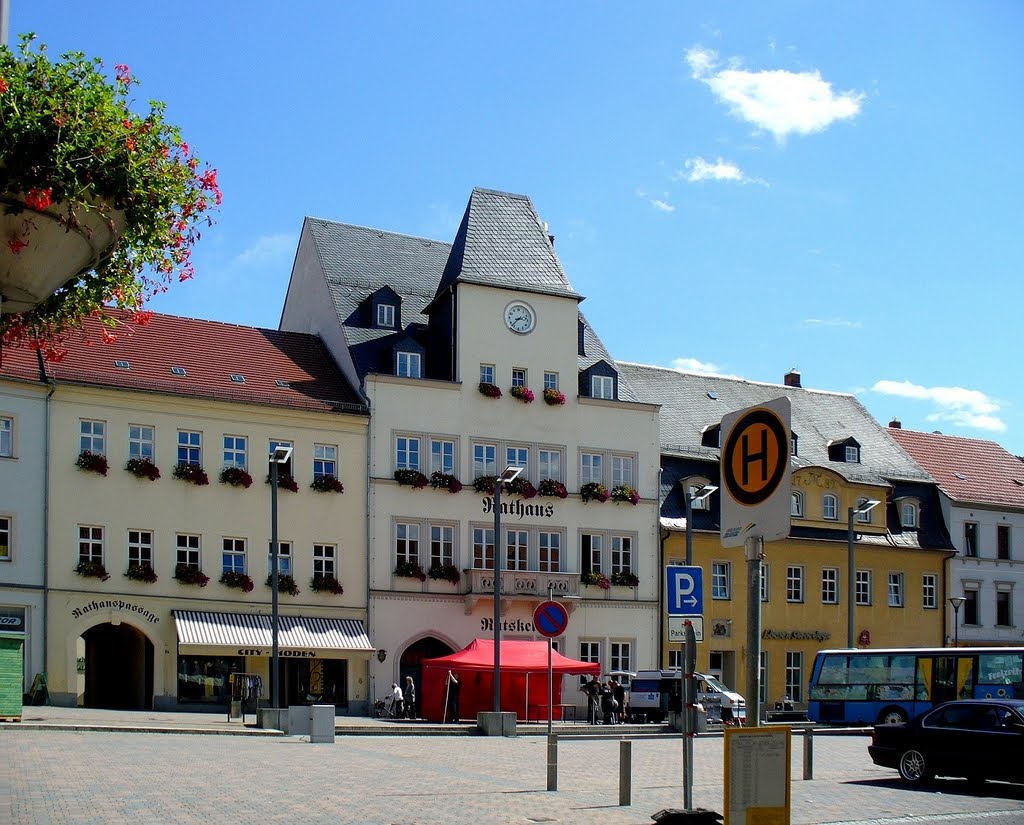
(474, 668)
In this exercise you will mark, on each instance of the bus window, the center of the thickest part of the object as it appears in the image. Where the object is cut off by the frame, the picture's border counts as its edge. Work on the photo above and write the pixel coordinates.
(1000, 676)
(833, 670)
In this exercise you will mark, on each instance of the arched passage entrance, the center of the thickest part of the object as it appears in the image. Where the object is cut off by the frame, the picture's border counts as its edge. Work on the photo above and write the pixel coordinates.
(412, 659)
(118, 668)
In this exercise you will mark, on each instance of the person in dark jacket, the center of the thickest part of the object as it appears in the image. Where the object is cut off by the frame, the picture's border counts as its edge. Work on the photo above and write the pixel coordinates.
(607, 711)
(454, 686)
(619, 694)
(593, 691)
(409, 694)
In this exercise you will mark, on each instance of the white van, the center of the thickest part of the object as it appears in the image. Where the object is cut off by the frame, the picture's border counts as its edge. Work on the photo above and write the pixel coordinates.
(653, 693)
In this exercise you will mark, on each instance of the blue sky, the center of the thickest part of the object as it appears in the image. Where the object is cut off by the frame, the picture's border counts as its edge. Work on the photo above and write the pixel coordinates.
(740, 188)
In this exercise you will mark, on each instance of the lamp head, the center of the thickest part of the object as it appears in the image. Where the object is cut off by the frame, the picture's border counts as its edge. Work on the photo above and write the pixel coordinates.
(509, 474)
(281, 455)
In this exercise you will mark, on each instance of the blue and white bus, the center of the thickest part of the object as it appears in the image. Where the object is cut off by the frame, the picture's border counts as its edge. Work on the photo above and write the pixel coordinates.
(866, 687)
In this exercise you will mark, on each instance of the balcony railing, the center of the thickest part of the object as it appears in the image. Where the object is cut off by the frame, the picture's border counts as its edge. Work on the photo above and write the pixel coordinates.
(526, 584)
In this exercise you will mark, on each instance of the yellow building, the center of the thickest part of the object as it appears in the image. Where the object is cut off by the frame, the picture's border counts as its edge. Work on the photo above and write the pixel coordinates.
(842, 461)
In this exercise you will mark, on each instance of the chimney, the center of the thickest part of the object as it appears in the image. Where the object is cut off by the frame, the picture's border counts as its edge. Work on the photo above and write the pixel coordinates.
(792, 379)
(895, 424)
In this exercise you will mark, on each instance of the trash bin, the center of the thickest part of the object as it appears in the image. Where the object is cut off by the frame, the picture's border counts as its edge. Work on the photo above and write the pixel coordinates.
(321, 724)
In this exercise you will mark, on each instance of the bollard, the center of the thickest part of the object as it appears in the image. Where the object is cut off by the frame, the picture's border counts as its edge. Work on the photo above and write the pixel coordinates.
(625, 772)
(553, 762)
(808, 753)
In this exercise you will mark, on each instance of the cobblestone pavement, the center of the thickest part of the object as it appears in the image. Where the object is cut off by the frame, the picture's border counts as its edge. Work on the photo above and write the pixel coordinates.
(107, 776)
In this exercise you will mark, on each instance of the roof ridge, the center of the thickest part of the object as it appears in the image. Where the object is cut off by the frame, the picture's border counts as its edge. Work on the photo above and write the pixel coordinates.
(378, 230)
(736, 378)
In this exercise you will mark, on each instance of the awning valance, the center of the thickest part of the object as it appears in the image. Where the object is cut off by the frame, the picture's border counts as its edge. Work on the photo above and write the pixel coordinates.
(250, 634)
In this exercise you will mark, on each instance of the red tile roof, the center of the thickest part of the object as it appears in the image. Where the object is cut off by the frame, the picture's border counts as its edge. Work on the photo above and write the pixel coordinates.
(209, 352)
(968, 470)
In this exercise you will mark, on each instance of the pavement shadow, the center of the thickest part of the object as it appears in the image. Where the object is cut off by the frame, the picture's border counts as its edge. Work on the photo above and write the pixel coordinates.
(949, 787)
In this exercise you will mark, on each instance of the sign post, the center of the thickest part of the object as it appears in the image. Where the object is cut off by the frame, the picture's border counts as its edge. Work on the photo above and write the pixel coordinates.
(756, 507)
(550, 619)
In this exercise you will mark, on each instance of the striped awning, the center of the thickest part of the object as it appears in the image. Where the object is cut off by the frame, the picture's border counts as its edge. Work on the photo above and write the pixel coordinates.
(250, 634)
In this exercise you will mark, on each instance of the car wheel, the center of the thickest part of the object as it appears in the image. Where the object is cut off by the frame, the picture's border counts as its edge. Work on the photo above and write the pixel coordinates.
(892, 716)
(914, 767)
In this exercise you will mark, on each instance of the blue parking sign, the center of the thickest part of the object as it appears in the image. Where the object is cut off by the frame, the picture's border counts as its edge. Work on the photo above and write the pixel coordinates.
(684, 593)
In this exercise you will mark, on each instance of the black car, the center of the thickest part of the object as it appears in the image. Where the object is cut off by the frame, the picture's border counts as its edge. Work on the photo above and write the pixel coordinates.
(974, 738)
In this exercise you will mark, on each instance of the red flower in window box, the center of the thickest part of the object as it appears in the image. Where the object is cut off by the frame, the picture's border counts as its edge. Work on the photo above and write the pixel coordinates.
(191, 472)
(238, 580)
(142, 468)
(327, 484)
(285, 482)
(187, 574)
(490, 390)
(411, 478)
(552, 489)
(92, 569)
(236, 477)
(410, 570)
(445, 481)
(623, 492)
(553, 397)
(326, 584)
(93, 462)
(594, 491)
(524, 394)
(141, 573)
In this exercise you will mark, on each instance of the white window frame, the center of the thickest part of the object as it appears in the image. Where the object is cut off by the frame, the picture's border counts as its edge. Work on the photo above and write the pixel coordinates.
(517, 549)
(550, 380)
(442, 455)
(518, 456)
(865, 517)
(796, 504)
(592, 556)
(91, 543)
(602, 386)
(233, 555)
(142, 441)
(282, 469)
(549, 551)
(386, 315)
(188, 550)
(930, 591)
(6, 436)
(620, 656)
(622, 470)
(795, 592)
(409, 365)
(519, 377)
(862, 588)
(548, 459)
(487, 373)
(897, 593)
(6, 538)
(325, 558)
(190, 447)
(92, 436)
(407, 542)
(721, 580)
(325, 461)
(284, 558)
(483, 547)
(236, 451)
(851, 454)
(621, 553)
(140, 548)
(442, 544)
(908, 515)
(830, 507)
(830, 585)
(590, 651)
(485, 458)
(407, 452)
(795, 675)
(591, 467)
(765, 583)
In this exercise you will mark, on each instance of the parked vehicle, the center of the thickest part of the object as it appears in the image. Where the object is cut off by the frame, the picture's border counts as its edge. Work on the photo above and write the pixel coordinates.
(654, 693)
(974, 738)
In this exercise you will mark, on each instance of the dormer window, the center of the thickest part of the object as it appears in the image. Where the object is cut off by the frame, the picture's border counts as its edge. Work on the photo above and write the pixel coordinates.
(796, 506)
(852, 454)
(846, 450)
(383, 309)
(711, 436)
(409, 365)
(386, 315)
(793, 440)
(602, 386)
(910, 512)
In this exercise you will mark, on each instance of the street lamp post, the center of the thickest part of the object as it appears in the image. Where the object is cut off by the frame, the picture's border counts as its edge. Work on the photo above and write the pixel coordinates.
(700, 494)
(509, 474)
(279, 456)
(956, 601)
(851, 564)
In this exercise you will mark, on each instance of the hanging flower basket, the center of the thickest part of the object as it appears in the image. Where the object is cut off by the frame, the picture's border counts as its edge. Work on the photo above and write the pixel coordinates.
(236, 477)
(596, 580)
(445, 481)
(623, 492)
(553, 397)
(285, 584)
(92, 462)
(284, 482)
(550, 488)
(92, 569)
(485, 484)
(237, 580)
(142, 468)
(524, 394)
(141, 573)
(326, 584)
(191, 472)
(410, 570)
(100, 205)
(445, 572)
(594, 491)
(187, 574)
(625, 579)
(521, 487)
(327, 484)
(411, 478)
(490, 390)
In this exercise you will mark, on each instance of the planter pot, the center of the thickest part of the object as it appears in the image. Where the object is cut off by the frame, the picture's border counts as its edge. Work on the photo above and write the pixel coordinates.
(53, 255)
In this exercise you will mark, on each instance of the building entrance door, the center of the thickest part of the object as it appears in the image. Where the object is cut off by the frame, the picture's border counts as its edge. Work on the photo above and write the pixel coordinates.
(118, 668)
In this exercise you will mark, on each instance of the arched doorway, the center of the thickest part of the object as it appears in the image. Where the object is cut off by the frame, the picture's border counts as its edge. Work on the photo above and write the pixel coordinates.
(412, 660)
(118, 668)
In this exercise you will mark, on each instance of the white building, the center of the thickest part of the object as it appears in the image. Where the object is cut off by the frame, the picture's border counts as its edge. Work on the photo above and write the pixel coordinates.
(431, 332)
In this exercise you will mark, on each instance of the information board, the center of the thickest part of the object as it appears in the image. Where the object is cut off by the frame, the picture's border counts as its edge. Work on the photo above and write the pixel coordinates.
(757, 776)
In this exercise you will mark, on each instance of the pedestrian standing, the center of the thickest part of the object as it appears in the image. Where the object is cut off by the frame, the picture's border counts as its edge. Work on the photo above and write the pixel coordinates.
(453, 697)
(593, 690)
(409, 694)
(397, 706)
(619, 694)
(607, 710)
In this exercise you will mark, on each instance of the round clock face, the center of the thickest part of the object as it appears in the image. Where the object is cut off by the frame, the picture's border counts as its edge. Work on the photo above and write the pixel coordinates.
(519, 317)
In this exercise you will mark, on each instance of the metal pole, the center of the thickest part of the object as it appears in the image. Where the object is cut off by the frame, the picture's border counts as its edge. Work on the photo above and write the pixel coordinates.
(498, 552)
(274, 695)
(956, 624)
(5, 20)
(851, 575)
(689, 710)
(551, 689)
(754, 551)
(689, 530)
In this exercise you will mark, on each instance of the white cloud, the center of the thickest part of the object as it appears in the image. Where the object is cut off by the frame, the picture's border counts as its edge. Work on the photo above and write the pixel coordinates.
(267, 249)
(831, 322)
(698, 169)
(778, 101)
(701, 367)
(662, 206)
(959, 406)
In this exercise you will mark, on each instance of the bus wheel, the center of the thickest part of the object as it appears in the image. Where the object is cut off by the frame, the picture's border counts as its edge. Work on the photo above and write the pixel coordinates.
(892, 716)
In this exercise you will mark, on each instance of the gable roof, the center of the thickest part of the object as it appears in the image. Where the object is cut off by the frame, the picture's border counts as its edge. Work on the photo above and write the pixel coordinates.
(690, 402)
(502, 243)
(210, 352)
(968, 470)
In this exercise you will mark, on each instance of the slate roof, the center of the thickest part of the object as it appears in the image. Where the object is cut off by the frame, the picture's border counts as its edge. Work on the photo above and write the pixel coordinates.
(968, 470)
(502, 243)
(690, 402)
(210, 352)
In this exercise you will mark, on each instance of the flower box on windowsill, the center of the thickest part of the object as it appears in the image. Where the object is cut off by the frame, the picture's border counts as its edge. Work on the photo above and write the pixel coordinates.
(595, 580)
(285, 482)
(593, 491)
(92, 462)
(524, 394)
(550, 488)
(623, 492)
(285, 584)
(326, 584)
(521, 487)
(142, 468)
(553, 397)
(411, 478)
(236, 477)
(625, 580)
(327, 484)
(141, 573)
(445, 572)
(490, 390)
(485, 484)
(191, 472)
(92, 569)
(445, 481)
(237, 580)
(187, 574)
(410, 570)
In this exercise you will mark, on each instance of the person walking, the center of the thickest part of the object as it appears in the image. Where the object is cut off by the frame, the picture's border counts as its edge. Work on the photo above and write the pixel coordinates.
(397, 705)
(409, 694)
(454, 687)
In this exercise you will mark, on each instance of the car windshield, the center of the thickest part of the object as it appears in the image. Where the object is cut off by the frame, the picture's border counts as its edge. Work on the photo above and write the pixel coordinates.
(715, 684)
